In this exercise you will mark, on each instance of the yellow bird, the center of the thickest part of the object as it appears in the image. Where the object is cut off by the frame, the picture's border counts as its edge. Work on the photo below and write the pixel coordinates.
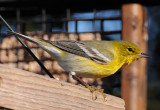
(91, 59)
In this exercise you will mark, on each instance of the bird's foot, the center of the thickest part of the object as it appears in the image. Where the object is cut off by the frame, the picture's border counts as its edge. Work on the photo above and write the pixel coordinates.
(94, 91)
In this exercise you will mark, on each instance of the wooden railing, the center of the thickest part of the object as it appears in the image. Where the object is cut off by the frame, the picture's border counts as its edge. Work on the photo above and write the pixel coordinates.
(22, 90)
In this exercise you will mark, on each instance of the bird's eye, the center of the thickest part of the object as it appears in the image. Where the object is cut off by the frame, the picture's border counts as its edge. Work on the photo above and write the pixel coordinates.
(130, 49)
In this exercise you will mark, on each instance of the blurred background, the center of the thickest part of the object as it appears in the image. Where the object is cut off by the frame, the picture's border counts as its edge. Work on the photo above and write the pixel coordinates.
(78, 20)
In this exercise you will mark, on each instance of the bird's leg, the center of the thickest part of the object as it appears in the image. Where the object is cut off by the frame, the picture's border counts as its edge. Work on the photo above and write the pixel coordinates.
(91, 88)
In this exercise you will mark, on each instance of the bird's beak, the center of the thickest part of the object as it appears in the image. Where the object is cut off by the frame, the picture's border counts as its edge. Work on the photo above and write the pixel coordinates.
(143, 55)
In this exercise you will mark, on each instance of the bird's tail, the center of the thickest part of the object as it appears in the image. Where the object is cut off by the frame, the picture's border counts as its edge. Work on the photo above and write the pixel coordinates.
(55, 52)
(33, 40)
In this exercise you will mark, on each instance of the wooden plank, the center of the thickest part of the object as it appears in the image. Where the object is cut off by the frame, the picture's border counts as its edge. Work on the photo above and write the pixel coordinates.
(22, 90)
(134, 75)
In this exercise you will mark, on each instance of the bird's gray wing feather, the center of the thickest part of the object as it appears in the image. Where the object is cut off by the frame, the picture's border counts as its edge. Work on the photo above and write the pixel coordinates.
(74, 47)
(81, 49)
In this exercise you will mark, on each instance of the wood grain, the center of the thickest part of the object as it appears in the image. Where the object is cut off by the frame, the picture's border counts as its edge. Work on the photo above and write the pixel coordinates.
(22, 90)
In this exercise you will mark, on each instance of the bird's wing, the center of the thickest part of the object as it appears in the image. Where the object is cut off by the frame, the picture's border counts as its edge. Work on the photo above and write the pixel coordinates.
(74, 47)
(81, 49)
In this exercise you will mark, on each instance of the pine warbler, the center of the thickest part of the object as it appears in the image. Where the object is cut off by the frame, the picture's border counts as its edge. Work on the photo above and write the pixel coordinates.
(91, 59)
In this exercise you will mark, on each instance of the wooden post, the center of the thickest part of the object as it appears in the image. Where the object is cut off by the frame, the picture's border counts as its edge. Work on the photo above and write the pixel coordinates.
(22, 90)
(134, 75)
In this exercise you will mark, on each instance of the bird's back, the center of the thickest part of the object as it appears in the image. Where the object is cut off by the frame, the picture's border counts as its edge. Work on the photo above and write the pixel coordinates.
(86, 67)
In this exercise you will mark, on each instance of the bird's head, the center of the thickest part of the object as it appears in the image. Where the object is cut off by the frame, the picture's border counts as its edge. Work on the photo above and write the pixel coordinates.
(129, 51)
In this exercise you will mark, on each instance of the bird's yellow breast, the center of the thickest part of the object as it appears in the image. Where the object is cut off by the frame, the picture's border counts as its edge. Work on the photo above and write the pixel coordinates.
(96, 70)
(84, 67)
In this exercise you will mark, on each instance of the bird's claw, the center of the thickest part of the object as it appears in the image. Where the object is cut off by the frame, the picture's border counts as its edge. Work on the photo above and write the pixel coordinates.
(93, 90)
